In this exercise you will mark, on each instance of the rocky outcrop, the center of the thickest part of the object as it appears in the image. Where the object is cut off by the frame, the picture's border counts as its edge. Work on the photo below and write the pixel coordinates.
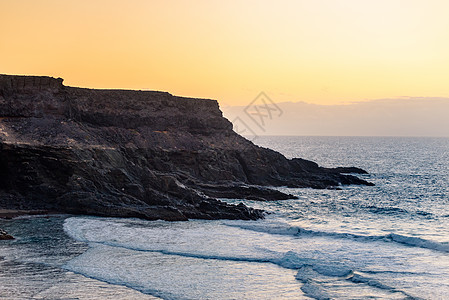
(135, 154)
(5, 236)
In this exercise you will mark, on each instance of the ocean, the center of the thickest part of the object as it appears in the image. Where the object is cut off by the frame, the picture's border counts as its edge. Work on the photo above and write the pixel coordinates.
(388, 241)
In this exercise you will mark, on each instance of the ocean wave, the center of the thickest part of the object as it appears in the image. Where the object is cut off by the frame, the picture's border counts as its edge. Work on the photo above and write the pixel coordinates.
(360, 279)
(106, 229)
(313, 283)
(385, 210)
(310, 271)
(290, 260)
(392, 210)
(391, 237)
(76, 228)
(315, 291)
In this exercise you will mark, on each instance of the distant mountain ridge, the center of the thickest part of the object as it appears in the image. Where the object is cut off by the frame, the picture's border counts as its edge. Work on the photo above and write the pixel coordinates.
(419, 116)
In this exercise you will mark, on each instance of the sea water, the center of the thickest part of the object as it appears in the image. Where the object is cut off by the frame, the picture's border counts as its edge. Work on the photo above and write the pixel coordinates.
(389, 241)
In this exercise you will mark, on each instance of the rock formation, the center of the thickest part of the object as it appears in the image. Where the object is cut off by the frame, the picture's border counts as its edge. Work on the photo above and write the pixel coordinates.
(4, 235)
(140, 154)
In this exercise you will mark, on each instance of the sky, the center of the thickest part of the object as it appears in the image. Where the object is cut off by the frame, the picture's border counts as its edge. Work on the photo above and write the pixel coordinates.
(323, 52)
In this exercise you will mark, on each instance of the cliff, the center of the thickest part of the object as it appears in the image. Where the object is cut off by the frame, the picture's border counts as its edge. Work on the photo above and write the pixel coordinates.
(135, 154)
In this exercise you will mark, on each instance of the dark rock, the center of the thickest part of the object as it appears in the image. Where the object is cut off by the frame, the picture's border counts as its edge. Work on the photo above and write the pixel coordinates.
(348, 170)
(135, 154)
(248, 192)
(5, 236)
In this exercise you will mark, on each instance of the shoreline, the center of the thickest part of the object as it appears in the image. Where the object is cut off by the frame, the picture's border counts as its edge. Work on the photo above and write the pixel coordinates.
(14, 213)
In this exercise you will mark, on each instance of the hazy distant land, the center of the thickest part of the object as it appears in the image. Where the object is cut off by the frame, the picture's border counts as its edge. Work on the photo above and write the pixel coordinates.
(418, 116)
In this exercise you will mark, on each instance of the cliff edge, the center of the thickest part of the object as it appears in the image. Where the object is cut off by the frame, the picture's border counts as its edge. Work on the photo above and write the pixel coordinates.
(140, 154)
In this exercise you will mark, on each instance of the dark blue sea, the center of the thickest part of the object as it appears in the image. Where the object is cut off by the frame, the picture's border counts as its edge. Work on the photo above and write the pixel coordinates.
(389, 241)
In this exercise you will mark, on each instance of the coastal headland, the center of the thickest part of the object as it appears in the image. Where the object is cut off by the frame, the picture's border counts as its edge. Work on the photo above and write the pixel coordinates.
(144, 154)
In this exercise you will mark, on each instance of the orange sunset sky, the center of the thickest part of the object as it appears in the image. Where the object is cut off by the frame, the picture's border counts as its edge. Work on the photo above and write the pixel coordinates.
(317, 51)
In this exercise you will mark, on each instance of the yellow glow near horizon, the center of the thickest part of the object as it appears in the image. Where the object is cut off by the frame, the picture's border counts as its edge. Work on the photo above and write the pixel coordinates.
(318, 51)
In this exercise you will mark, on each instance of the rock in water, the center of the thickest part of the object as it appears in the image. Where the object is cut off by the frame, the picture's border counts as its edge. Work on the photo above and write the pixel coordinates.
(139, 154)
(4, 235)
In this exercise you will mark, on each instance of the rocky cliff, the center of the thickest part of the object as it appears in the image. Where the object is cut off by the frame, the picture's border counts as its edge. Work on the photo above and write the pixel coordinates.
(135, 154)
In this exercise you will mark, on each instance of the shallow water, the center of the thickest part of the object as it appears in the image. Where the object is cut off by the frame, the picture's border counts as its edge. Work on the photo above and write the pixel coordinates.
(390, 241)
